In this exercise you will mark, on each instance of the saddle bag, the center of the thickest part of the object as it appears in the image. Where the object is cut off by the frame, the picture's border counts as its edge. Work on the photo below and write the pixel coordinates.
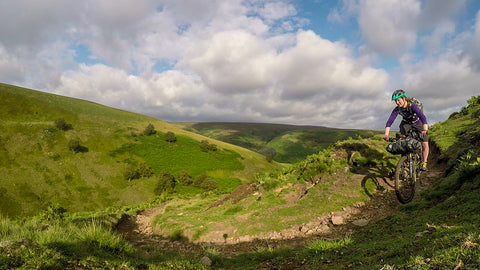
(405, 146)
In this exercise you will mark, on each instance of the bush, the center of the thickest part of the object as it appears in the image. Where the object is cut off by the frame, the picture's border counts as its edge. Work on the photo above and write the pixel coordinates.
(166, 183)
(61, 124)
(149, 130)
(53, 212)
(469, 166)
(453, 115)
(144, 170)
(474, 101)
(185, 179)
(133, 172)
(75, 146)
(170, 137)
(205, 183)
(205, 146)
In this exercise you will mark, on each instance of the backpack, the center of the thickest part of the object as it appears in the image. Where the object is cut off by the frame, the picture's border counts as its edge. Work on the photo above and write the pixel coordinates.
(419, 104)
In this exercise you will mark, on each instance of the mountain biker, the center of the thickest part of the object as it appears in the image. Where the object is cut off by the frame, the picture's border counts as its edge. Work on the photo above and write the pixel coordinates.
(413, 118)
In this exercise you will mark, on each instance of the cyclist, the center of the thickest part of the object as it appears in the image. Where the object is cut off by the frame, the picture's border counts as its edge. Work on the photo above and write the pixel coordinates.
(413, 118)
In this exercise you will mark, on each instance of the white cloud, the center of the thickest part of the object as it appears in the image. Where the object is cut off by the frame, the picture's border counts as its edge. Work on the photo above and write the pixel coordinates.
(10, 67)
(443, 84)
(233, 62)
(244, 60)
(389, 26)
(315, 65)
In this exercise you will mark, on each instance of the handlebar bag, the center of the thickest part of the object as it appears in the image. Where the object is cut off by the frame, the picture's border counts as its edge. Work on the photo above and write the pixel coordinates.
(401, 147)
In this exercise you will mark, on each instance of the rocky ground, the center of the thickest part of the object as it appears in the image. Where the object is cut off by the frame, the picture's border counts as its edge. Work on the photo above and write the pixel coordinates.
(334, 225)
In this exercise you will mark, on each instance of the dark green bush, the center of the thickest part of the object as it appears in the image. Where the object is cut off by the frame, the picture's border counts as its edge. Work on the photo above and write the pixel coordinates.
(205, 183)
(205, 146)
(453, 115)
(184, 178)
(149, 130)
(170, 137)
(136, 172)
(61, 124)
(144, 170)
(131, 173)
(166, 183)
(75, 146)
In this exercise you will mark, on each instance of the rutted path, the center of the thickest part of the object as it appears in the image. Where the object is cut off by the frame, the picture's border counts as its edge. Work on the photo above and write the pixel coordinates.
(139, 232)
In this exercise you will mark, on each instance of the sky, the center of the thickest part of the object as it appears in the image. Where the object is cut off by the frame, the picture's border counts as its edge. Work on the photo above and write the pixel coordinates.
(312, 62)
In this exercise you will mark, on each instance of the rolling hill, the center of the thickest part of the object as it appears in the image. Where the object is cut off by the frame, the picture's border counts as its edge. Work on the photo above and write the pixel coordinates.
(56, 150)
(282, 143)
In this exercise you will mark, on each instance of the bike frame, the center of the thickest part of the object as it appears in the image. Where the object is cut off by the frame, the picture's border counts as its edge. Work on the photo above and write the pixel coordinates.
(405, 183)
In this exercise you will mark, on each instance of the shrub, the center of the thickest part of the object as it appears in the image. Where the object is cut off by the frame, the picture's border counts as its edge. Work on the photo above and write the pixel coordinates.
(149, 130)
(75, 146)
(53, 212)
(133, 172)
(144, 170)
(453, 115)
(205, 146)
(170, 137)
(166, 183)
(61, 124)
(184, 178)
(130, 173)
(474, 101)
(469, 166)
(205, 183)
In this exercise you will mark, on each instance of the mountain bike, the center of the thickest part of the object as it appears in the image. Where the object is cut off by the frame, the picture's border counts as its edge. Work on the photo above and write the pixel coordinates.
(408, 171)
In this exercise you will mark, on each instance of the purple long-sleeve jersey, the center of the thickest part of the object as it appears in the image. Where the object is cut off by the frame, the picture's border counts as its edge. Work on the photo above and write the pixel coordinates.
(411, 117)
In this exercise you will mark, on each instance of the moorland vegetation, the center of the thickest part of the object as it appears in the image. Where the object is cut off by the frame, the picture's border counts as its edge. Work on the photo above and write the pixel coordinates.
(60, 207)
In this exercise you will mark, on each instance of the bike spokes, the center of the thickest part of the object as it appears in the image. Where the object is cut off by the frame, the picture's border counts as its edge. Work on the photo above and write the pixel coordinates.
(404, 181)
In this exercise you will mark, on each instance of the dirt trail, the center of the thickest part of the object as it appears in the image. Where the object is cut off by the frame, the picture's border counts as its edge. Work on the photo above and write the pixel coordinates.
(139, 232)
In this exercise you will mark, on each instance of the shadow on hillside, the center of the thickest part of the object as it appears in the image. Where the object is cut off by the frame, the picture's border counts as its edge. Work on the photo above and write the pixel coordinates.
(84, 250)
(378, 176)
(377, 167)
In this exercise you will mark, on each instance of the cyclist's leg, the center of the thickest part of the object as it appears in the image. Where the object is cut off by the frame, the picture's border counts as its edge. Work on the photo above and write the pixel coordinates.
(425, 147)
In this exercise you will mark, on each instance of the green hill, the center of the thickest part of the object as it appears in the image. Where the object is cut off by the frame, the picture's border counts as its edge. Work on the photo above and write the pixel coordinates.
(290, 143)
(56, 150)
(438, 230)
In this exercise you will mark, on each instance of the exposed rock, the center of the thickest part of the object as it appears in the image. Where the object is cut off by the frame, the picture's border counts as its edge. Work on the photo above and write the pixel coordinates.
(360, 222)
(338, 220)
(206, 261)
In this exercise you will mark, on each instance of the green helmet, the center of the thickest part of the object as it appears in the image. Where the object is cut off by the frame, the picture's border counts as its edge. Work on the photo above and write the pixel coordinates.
(398, 93)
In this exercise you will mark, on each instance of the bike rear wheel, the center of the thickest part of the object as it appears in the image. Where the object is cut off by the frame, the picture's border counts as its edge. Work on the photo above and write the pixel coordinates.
(404, 182)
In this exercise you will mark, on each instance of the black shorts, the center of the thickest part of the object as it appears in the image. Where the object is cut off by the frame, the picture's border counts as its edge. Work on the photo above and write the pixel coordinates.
(405, 127)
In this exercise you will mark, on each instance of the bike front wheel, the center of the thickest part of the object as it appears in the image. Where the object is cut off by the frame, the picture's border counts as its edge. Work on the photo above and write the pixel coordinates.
(404, 181)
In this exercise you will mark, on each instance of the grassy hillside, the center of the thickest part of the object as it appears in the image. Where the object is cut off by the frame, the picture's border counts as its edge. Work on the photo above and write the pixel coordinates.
(290, 143)
(438, 230)
(280, 200)
(82, 164)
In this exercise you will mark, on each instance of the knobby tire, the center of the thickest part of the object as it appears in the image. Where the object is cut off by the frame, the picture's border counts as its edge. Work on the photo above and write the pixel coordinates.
(404, 183)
